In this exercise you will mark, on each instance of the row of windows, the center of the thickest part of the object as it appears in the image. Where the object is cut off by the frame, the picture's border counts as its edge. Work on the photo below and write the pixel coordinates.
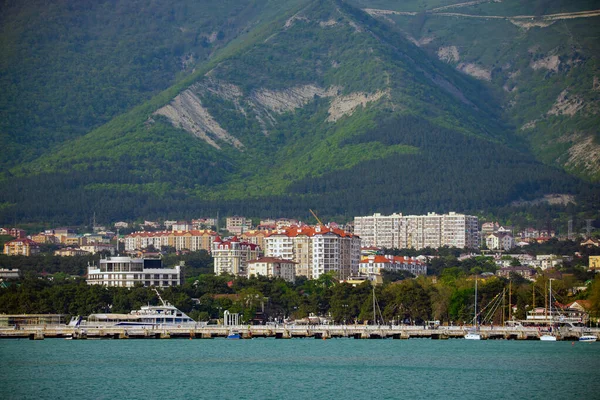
(132, 277)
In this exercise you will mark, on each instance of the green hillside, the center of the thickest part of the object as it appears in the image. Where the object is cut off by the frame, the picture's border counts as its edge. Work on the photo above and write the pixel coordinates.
(322, 107)
(67, 67)
(541, 57)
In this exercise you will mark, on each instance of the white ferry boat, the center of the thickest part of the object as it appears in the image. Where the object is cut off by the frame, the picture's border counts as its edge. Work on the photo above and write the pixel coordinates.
(165, 315)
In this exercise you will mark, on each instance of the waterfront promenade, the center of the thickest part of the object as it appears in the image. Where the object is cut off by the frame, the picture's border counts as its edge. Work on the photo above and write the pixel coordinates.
(282, 331)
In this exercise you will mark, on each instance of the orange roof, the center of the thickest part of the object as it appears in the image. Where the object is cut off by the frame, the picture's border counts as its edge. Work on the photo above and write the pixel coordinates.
(295, 231)
(271, 260)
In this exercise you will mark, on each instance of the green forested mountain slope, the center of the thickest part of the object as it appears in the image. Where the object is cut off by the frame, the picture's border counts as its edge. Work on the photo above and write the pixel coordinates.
(542, 58)
(67, 67)
(323, 107)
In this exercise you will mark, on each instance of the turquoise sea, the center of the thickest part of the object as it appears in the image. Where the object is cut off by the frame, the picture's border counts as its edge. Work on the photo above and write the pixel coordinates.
(298, 369)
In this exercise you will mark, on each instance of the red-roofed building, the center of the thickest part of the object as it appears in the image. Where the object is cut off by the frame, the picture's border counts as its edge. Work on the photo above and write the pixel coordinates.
(232, 256)
(372, 265)
(21, 247)
(316, 250)
(16, 232)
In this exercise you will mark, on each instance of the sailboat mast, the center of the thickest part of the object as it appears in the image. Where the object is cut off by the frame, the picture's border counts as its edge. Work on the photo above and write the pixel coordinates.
(510, 300)
(550, 299)
(374, 314)
(475, 301)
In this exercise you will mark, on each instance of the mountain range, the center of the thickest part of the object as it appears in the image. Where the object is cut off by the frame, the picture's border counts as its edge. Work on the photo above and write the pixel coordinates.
(268, 108)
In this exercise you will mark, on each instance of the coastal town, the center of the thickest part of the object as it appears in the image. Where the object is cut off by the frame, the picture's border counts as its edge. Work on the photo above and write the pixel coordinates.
(367, 250)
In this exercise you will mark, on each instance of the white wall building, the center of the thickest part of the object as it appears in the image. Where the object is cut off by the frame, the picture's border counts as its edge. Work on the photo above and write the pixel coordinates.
(232, 256)
(500, 241)
(316, 250)
(373, 265)
(126, 272)
(418, 231)
(273, 268)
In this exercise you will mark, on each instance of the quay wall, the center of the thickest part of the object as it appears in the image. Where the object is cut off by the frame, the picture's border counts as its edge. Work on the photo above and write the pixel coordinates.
(276, 331)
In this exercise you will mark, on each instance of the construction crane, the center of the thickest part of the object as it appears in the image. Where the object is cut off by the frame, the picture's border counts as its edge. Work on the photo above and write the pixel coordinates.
(317, 218)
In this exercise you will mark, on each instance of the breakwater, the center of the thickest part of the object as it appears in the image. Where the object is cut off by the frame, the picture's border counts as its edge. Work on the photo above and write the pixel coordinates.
(39, 332)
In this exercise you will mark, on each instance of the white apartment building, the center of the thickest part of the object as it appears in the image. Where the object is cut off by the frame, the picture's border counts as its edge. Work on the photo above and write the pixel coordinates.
(316, 250)
(500, 241)
(418, 231)
(378, 230)
(232, 256)
(126, 272)
(273, 268)
(373, 265)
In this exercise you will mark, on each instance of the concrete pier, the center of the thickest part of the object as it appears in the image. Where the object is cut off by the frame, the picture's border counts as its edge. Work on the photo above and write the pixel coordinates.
(283, 331)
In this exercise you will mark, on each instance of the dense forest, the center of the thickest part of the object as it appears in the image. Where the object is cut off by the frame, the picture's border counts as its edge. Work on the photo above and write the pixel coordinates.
(435, 142)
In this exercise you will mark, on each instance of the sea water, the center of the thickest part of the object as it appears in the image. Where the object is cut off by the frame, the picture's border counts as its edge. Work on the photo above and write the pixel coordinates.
(298, 369)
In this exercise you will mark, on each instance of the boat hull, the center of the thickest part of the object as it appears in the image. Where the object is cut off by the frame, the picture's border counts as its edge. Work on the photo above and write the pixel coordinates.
(548, 338)
(588, 338)
(473, 336)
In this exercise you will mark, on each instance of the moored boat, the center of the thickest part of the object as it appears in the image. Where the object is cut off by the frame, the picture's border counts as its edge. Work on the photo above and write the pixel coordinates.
(588, 338)
(473, 334)
(165, 315)
(234, 334)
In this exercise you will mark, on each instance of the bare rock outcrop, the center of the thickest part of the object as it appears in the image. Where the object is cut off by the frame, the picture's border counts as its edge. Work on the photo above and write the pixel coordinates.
(550, 63)
(566, 105)
(448, 54)
(281, 101)
(584, 154)
(475, 71)
(186, 112)
(346, 105)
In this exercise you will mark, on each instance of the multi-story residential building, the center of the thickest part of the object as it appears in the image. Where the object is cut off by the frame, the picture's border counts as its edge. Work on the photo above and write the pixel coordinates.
(181, 226)
(121, 225)
(273, 268)
(418, 231)
(70, 252)
(126, 272)
(73, 240)
(373, 265)
(316, 250)
(268, 223)
(283, 223)
(184, 240)
(94, 248)
(15, 232)
(594, 263)
(232, 256)
(203, 223)
(379, 230)
(237, 225)
(21, 247)
(500, 241)
(525, 272)
(43, 238)
(256, 237)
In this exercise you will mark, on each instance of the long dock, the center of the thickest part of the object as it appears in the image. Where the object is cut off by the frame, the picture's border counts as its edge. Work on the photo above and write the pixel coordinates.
(283, 331)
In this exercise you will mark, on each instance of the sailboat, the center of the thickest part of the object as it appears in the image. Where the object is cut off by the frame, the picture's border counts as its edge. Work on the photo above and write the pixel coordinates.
(549, 337)
(473, 334)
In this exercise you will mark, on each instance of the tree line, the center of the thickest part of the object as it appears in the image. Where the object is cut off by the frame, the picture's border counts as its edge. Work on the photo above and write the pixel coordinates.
(448, 298)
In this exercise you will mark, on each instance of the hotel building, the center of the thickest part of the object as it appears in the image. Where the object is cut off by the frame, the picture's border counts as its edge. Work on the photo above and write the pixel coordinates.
(126, 272)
